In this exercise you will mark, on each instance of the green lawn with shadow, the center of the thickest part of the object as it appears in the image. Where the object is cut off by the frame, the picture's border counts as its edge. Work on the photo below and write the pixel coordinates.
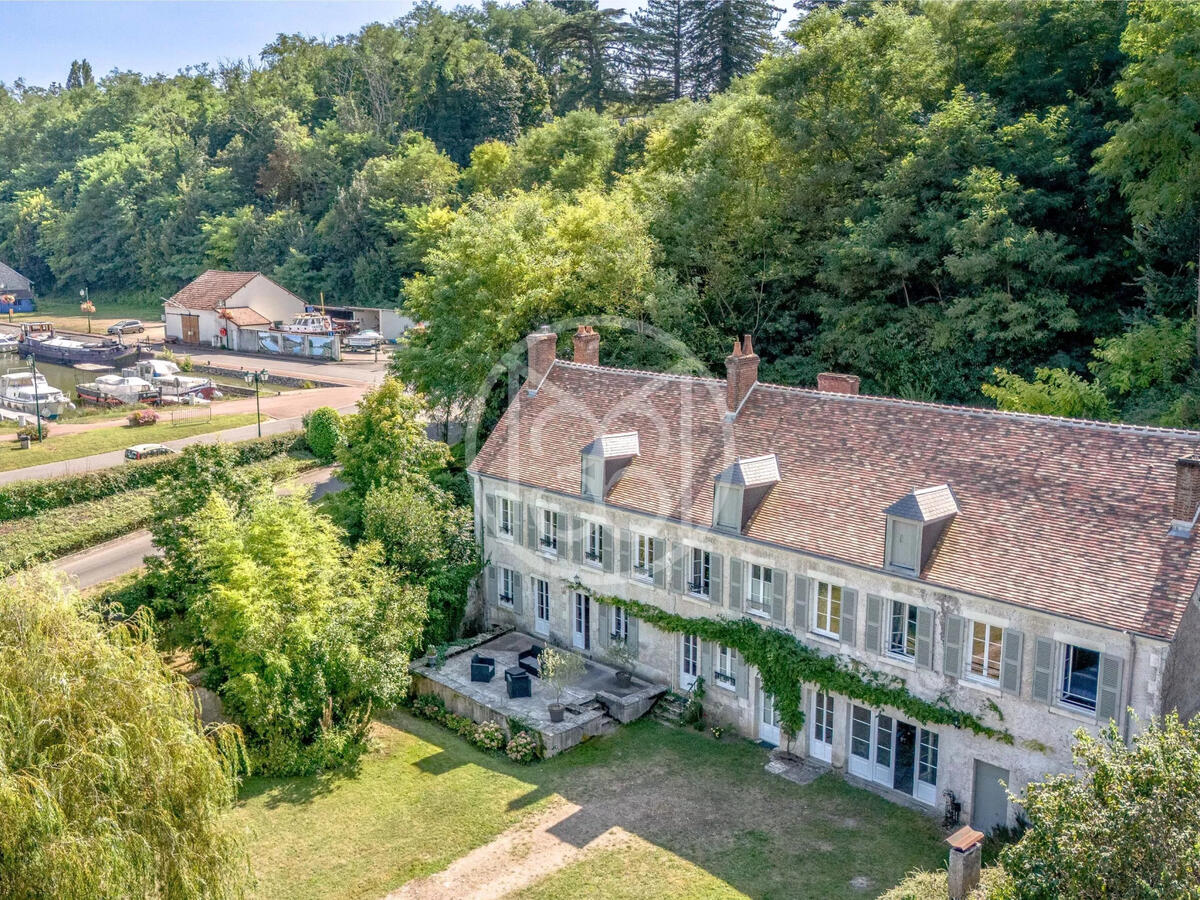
(696, 818)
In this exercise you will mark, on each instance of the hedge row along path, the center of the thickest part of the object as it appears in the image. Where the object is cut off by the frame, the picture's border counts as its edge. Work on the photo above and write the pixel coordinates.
(785, 665)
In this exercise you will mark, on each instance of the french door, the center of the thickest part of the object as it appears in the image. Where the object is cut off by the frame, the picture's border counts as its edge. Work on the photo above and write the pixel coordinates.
(541, 615)
(689, 661)
(820, 744)
(581, 631)
(894, 753)
(768, 718)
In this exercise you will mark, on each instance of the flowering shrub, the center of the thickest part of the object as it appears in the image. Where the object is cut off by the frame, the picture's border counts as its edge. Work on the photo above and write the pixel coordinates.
(429, 706)
(523, 747)
(489, 736)
(31, 432)
(141, 417)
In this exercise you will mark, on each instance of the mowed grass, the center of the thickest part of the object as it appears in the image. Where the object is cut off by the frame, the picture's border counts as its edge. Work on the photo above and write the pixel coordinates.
(694, 817)
(58, 447)
(49, 535)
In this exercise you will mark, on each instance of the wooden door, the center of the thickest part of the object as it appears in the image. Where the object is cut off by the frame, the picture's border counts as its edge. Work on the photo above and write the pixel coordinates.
(191, 329)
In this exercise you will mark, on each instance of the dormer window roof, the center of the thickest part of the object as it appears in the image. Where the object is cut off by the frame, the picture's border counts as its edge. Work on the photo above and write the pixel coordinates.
(915, 525)
(739, 489)
(603, 460)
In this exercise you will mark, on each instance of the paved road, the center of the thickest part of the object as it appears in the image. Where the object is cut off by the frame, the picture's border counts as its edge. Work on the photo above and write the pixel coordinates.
(124, 554)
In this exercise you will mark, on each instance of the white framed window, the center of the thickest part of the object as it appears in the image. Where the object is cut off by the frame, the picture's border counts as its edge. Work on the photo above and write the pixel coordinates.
(643, 556)
(541, 595)
(699, 572)
(758, 589)
(548, 538)
(592, 476)
(723, 663)
(986, 645)
(507, 584)
(902, 639)
(827, 619)
(903, 541)
(927, 759)
(1080, 677)
(620, 623)
(506, 517)
(593, 544)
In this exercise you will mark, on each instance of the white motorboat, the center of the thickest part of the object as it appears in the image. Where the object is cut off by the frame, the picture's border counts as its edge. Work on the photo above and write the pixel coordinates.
(165, 378)
(117, 390)
(22, 392)
(9, 343)
(307, 323)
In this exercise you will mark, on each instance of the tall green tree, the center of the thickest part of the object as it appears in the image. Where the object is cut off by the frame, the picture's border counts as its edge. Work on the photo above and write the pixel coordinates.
(598, 38)
(661, 49)
(728, 38)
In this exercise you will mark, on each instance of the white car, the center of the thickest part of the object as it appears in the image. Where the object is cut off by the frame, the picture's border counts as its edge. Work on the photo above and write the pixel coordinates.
(145, 451)
(363, 340)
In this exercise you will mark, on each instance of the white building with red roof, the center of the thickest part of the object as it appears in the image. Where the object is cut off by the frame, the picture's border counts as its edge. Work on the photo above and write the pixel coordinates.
(1039, 573)
(228, 309)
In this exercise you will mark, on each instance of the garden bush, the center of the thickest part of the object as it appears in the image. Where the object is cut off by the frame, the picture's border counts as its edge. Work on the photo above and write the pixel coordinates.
(32, 432)
(523, 748)
(25, 498)
(140, 417)
(490, 736)
(323, 430)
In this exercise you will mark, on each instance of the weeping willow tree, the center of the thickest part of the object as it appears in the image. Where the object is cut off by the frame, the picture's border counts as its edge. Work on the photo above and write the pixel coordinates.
(109, 787)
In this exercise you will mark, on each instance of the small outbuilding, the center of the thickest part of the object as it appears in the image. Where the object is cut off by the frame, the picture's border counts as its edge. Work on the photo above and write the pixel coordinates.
(16, 291)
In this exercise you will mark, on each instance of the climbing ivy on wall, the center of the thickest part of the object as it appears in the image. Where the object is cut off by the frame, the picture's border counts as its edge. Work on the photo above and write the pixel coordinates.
(786, 665)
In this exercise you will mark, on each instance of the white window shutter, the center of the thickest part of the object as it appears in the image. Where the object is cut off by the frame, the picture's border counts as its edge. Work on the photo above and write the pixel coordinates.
(1108, 690)
(873, 632)
(1043, 669)
(737, 570)
(576, 539)
(490, 516)
(925, 637)
(800, 611)
(660, 562)
(779, 596)
(678, 555)
(626, 552)
(952, 652)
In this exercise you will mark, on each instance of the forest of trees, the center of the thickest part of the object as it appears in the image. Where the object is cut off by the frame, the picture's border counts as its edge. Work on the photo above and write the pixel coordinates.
(920, 192)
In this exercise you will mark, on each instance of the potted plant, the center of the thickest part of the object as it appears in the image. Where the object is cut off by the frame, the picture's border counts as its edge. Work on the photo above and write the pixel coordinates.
(560, 670)
(431, 656)
(623, 657)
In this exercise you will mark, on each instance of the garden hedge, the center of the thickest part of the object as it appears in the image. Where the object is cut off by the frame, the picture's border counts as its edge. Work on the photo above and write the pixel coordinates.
(27, 498)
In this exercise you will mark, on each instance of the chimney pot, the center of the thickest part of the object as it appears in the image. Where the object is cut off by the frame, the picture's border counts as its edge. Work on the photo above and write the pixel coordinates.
(741, 373)
(1187, 488)
(837, 383)
(587, 346)
(541, 346)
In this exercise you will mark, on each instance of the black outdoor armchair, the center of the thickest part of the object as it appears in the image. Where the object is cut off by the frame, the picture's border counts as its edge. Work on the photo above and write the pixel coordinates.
(483, 668)
(518, 682)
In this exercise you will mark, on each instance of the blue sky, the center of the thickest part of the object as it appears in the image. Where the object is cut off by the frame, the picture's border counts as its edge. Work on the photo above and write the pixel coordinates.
(38, 40)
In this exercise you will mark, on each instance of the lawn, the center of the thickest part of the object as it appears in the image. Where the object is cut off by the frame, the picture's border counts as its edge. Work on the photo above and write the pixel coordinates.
(101, 440)
(650, 812)
(110, 306)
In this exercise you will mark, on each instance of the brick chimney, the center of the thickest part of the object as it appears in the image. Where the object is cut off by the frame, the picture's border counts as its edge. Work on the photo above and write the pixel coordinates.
(587, 346)
(541, 346)
(836, 383)
(1187, 489)
(741, 373)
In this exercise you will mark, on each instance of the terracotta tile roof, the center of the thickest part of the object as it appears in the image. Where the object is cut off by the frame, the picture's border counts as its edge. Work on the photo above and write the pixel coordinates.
(211, 289)
(244, 316)
(926, 505)
(1070, 517)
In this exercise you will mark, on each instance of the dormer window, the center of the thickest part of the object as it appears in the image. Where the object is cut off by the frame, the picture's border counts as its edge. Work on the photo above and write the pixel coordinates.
(915, 525)
(603, 460)
(739, 490)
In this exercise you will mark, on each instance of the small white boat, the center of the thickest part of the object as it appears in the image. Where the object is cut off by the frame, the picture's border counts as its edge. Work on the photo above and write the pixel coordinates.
(9, 343)
(21, 392)
(307, 323)
(117, 390)
(165, 378)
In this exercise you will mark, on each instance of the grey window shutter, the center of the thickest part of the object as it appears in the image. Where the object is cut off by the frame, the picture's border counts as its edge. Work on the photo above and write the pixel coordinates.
(849, 627)
(952, 652)
(800, 615)
(706, 663)
(1043, 669)
(633, 634)
(518, 522)
(779, 598)
(737, 569)
(1108, 693)
(603, 615)
(576, 539)
(925, 637)
(678, 554)
(660, 563)
(533, 537)
(490, 517)
(493, 593)
(518, 582)
(716, 581)
(742, 675)
(873, 632)
(608, 551)
(626, 552)
(1010, 661)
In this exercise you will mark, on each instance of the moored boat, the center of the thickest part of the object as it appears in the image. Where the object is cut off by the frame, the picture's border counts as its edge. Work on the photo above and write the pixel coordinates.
(23, 392)
(117, 390)
(68, 352)
(168, 383)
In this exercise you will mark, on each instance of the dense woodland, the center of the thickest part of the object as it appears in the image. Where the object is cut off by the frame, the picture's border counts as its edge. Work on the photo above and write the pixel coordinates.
(918, 192)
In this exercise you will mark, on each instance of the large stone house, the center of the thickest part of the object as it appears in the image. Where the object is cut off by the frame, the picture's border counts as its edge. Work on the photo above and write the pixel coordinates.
(1038, 572)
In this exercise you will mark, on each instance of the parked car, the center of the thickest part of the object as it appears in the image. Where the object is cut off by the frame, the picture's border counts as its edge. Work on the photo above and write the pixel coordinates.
(126, 326)
(146, 451)
(364, 340)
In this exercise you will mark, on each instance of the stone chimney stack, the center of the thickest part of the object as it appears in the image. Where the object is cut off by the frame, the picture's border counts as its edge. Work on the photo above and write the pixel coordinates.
(587, 346)
(741, 373)
(1187, 489)
(836, 383)
(541, 346)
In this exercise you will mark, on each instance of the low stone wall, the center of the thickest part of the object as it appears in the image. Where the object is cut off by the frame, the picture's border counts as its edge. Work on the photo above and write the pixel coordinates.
(288, 380)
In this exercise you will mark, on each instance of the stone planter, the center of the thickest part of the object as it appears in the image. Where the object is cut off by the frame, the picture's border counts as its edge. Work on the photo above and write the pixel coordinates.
(624, 679)
(431, 660)
(24, 441)
(556, 712)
